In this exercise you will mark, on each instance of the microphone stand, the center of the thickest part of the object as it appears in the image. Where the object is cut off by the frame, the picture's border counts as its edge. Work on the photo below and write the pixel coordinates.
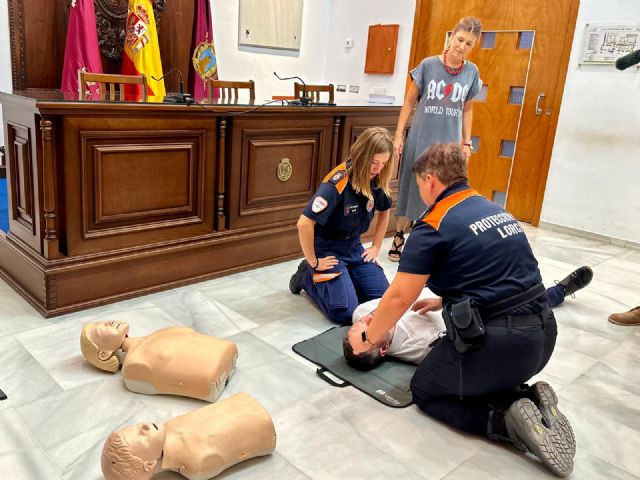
(178, 97)
(302, 101)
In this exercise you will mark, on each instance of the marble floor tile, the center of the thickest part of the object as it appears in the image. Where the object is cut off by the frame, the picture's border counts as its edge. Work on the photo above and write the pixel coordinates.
(22, 379)
(276, 385)
(16, 314)
(21, 458)
(605, 439)
(605, 400)
(203, 314)
(321, 445)
(60, 409)
(72, 426)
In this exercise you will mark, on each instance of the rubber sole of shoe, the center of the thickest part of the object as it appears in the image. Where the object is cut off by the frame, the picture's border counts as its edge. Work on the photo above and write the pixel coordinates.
(555, 419)
(294, 282)
(552, 450)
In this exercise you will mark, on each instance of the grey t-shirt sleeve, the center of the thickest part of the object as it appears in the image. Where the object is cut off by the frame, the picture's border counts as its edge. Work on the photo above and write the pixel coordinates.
(418, 74)
(476, 85)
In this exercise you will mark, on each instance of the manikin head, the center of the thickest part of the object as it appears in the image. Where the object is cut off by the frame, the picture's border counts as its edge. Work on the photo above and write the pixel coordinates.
(99, 342)
(371, 358)
(133, 453)
(371, 162)
(438, 167)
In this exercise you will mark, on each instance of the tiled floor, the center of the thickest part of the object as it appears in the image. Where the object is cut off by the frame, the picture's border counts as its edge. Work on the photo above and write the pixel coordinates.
(60, 410)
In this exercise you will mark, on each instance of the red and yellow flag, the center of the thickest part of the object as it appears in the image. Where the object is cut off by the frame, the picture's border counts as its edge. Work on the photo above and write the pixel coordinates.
(141, 49)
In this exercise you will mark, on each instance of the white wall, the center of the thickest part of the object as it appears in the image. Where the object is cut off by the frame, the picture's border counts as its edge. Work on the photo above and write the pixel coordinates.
(594, 178)
(351, 19)
(240, 63)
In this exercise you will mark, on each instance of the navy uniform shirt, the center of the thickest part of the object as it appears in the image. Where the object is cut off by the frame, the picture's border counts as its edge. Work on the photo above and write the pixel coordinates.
(471, 248)
(339, 212)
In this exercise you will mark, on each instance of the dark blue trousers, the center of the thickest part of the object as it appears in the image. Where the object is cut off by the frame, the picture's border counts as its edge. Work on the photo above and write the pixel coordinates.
(358, 281)
(461, 389)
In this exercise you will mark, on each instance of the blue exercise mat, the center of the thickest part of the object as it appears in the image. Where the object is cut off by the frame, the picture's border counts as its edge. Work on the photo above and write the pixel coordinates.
(4, 206)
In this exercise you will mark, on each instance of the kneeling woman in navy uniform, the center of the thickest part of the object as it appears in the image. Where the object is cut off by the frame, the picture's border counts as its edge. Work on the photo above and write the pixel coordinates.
(338, 273)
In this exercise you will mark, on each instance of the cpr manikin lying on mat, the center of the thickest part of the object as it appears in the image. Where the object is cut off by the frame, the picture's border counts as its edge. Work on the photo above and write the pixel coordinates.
(198, 445)
(175, 360)
(409, 340)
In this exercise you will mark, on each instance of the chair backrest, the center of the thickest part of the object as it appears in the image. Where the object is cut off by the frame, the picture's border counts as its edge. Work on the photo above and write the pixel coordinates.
(111, 83)
(229, 90)
(313, 91)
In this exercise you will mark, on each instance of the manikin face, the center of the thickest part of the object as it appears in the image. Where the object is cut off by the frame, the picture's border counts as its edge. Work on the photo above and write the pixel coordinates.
(461, 43)
(146, 441)
(108, 336)
(378, 163)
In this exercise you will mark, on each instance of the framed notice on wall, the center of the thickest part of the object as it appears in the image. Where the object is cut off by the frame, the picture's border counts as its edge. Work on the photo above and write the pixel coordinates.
(270, 23)
(604, 43)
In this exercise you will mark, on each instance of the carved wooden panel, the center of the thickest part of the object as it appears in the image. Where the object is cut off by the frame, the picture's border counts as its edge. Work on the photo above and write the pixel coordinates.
(22, 204)
(301, 149)
(137, 182)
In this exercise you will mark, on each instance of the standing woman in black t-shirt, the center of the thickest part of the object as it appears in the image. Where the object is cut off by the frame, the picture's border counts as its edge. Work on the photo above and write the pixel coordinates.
(338, 273)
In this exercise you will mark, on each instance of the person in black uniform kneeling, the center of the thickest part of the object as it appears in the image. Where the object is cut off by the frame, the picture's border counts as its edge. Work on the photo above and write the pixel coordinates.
(338, 273)
(500, 330)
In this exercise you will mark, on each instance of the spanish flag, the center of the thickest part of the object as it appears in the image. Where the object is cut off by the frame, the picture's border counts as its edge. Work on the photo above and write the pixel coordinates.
(141, 49)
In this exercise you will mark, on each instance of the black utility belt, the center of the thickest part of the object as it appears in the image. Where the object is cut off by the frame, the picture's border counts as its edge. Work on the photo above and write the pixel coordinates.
(517, 320)
(465, 321)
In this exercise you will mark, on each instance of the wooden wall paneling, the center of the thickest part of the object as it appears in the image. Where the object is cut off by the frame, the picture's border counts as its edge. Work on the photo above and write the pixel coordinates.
(23, 176)
(138, 182)
(49, 187)
(176, 31)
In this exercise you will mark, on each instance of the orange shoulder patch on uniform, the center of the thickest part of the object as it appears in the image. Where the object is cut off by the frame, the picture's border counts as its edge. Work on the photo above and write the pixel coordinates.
(339, 176)
(440, 210)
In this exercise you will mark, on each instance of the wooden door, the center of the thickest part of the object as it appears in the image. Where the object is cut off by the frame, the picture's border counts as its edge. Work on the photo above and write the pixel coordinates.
(522, 58)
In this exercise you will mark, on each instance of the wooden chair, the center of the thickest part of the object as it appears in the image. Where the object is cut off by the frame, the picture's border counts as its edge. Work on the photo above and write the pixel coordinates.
(313, 91)
(108, 82)
(229, 90)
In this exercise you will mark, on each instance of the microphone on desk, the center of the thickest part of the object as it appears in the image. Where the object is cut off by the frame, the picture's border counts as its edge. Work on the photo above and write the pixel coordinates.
(303, 100)
(628, 60)
(178, 97)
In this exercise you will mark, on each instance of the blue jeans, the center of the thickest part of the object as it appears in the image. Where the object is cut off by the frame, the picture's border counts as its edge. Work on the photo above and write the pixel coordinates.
(358, 281)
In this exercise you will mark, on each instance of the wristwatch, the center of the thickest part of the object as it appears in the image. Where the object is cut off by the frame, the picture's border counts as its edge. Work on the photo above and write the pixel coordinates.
(365, 339)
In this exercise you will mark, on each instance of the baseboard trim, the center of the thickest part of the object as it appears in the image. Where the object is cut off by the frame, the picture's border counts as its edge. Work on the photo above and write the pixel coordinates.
(591, 235)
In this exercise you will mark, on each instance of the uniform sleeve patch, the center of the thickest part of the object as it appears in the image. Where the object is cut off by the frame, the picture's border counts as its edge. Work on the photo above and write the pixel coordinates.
(338, 176)
(319, 204)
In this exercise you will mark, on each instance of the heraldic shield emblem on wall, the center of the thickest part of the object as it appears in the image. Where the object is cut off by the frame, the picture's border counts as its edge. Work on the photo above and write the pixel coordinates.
(204, 60)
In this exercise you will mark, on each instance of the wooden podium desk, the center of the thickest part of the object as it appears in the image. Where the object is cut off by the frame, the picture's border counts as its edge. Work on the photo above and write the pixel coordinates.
(114, 199)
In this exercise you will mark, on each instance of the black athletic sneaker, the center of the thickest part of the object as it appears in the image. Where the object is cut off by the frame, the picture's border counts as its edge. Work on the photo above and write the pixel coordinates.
(295, 284)
(547, 401)
(525, 426)
(576, 280)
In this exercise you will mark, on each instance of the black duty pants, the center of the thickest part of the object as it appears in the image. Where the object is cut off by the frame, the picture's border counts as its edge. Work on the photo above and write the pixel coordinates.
(461, 389)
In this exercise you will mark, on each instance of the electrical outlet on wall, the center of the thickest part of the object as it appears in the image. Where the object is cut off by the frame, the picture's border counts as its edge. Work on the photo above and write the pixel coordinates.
(378, 90)
(341, 88)
(354, 88)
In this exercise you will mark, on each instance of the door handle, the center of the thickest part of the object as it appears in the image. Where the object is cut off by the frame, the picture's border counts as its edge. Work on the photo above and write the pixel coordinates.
(539, 110)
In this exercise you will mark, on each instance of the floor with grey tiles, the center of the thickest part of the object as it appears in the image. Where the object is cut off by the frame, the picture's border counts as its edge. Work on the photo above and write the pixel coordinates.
(60, 410)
